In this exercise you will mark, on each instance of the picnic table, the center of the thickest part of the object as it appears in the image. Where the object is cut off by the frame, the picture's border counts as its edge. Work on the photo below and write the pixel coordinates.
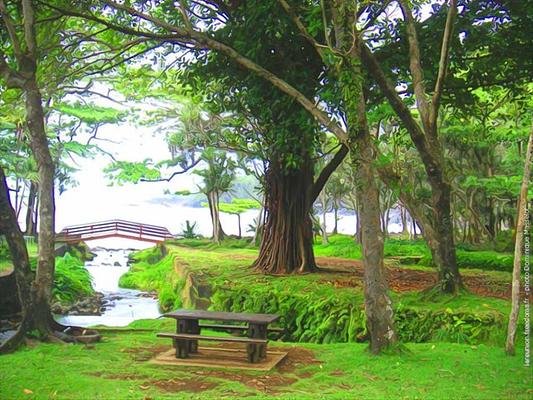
(188, 331)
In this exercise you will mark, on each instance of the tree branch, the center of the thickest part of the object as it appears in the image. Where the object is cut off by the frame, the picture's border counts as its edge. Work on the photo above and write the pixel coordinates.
(200, 38)
(429, 158)
(372, 17)
(443, 66)
(285, 87)
(183, 10)
(12, 78)
(327, 171)
(10, 27)
(388, 89)
(416, 66)
(118, 28)
(29, 29)
(174, 174)
(303, 30)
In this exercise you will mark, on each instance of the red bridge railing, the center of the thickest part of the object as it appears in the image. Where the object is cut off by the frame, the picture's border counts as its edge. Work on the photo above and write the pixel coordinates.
(114, 228)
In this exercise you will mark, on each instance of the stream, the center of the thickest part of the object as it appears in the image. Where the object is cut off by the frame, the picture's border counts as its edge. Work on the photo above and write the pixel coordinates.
(122, 306)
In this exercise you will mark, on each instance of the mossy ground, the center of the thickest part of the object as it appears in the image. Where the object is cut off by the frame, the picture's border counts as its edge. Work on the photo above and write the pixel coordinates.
(118, 368)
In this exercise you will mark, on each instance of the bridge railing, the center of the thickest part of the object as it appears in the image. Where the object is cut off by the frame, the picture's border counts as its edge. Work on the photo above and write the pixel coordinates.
(114, 228)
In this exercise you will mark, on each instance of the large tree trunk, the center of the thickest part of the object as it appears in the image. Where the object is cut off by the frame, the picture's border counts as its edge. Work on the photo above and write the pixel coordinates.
(213, 202)
(46, 260)
(378, 304)
(287, 243)
(21, 264)
(441, 241)
(31, 224)
(438, 231)
(522, 227)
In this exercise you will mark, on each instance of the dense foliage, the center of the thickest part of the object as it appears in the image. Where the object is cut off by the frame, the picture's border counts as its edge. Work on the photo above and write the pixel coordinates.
(311, 311)
(72, 281)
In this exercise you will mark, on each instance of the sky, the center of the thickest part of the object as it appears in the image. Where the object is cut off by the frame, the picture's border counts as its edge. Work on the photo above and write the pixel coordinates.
(93, 199)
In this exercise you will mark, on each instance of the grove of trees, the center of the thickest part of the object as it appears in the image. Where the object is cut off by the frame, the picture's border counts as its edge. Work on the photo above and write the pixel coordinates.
(420, 106)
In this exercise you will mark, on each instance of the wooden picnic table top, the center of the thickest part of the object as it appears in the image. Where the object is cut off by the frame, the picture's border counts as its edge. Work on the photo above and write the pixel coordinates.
(223, 316)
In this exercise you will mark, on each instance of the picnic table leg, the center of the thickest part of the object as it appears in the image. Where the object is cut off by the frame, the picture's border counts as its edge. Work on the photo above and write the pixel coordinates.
(182, 345)
(193, 328)
(256, 352)
(182, 348)
(189, 326)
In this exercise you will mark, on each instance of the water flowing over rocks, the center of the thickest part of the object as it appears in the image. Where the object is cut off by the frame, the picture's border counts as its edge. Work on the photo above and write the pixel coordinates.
(111, 305)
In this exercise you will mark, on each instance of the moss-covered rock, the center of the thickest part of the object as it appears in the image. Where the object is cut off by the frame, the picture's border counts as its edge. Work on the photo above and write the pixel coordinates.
(79, 250)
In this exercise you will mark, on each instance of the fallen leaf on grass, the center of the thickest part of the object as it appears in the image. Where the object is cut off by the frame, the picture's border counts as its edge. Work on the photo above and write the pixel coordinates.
(27, 391)
(370, 377)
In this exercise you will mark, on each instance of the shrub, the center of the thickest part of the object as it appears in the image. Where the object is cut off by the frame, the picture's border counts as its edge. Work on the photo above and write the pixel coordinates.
(71, 281)
(189, 230)
(155, 272)
(340, 317)
(170, 296)
(504, 241)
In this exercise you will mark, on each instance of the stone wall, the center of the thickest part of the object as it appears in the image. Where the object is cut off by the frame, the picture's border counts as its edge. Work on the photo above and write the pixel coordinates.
(196, 292)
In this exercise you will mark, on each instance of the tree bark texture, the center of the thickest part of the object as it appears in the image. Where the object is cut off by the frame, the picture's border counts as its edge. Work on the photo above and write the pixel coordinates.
(287, 243)
(522, 225)
(378, 304)
(213, 202)
(31, 223)
(323, 200)
(21, 264)
(44, 279)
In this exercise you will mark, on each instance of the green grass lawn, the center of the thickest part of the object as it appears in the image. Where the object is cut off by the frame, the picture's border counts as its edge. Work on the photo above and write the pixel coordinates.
(118, 368)
(345, 246)
(223, 266)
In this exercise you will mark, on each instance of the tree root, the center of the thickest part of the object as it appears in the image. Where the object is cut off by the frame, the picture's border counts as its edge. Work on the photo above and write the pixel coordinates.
(13, 342)
(58, 333)
(75, 334)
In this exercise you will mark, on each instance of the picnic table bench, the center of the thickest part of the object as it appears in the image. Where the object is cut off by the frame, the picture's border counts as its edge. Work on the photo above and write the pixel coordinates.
(188, 331)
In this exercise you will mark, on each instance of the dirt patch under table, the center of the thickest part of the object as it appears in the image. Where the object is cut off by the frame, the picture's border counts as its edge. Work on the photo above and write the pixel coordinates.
(192, 385)
(271, 383)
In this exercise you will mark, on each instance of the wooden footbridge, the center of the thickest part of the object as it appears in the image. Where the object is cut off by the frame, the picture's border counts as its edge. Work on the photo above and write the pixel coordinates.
(114, 228)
